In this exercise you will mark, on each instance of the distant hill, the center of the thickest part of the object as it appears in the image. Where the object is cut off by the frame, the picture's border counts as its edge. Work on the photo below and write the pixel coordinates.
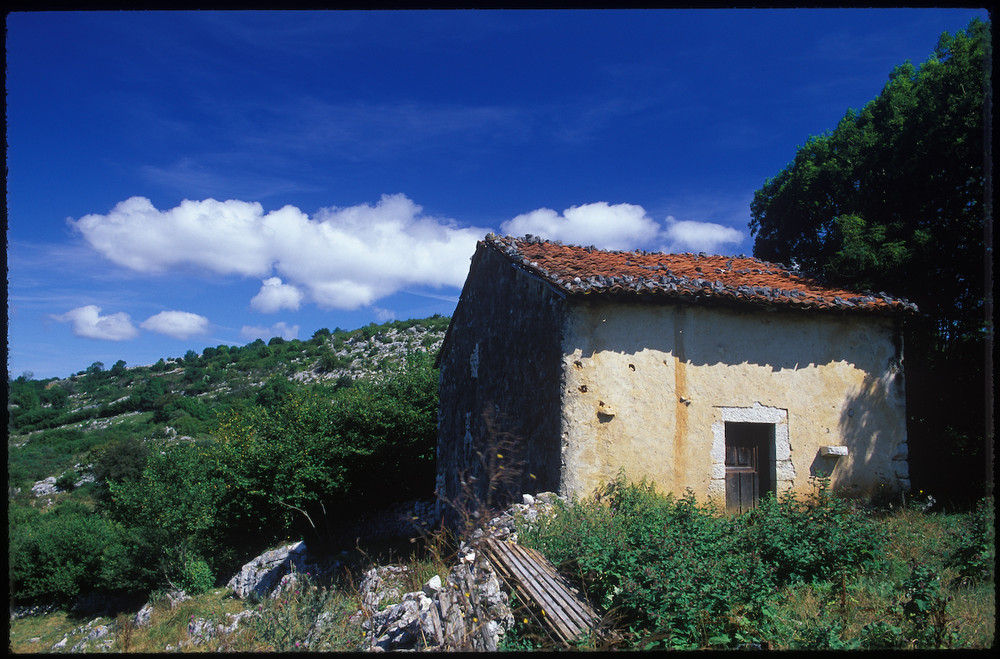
(54, 424)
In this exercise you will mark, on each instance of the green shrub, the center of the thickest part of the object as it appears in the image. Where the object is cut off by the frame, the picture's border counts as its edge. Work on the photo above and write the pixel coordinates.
(49, 452)
(56, 555)
(67, 480)
(122, 460)
(196, 577)
(173, 508)
(975, 556)
(814, 538)
(675, 572)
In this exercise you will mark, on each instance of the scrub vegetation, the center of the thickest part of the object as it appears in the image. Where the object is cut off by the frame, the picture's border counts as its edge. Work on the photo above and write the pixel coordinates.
(803, 573)
(173, 475)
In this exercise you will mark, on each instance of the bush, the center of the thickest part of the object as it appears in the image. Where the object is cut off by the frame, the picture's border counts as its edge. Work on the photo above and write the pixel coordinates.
(196, 577)
(975, 557)
(812, 539)
(67, 481)
(172, 509)
(676, 572)
(47, 453)
(684, 575)
(56, 555)
(122, 460)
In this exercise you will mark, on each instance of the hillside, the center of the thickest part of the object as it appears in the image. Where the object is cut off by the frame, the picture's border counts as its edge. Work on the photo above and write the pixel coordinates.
(126, 480)
(54, 424)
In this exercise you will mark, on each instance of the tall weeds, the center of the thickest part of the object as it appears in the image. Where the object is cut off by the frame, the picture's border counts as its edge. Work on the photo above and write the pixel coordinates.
(813, 572)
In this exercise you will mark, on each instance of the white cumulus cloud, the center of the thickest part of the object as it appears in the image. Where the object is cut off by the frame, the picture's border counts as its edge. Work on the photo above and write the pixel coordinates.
(607, 226)
(178, 324)
(89, 323)
(340, 258)
(275, 296)
(691, 236)
(282, 329)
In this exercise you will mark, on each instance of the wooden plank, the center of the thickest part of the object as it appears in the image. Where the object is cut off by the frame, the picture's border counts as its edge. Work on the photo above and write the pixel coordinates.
(585, 615)
(528, 578)
(560, 605)
(537, 581)
(555, 593)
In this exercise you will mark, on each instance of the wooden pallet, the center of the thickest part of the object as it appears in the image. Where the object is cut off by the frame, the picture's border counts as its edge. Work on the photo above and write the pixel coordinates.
(563, 610)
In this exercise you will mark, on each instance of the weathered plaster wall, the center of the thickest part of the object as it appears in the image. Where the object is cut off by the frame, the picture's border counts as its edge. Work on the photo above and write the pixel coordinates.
(500, 372)
(650, 387)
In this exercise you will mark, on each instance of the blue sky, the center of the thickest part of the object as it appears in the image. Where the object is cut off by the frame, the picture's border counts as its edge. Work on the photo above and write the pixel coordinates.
(190, 179)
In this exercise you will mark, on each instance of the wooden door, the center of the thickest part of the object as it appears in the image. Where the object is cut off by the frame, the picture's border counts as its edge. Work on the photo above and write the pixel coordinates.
(747, 464)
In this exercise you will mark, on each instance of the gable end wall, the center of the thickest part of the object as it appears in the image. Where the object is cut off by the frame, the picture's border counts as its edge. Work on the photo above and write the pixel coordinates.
(499, 384)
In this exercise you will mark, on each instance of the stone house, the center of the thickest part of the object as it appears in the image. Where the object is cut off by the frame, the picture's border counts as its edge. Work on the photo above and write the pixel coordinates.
(730, 376)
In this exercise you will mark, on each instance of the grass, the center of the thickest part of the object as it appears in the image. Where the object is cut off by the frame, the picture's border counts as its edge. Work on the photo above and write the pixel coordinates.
(39, 633)
(279, 625)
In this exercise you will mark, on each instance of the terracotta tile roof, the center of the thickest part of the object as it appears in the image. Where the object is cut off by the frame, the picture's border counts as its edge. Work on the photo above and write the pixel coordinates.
(587, 270)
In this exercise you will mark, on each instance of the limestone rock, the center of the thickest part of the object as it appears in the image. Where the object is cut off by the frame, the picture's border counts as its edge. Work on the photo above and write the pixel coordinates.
(469, 611)
(45, 487)
(175, 597)
(97, 633)
(258, 577)
(380, 584)
(142, 617)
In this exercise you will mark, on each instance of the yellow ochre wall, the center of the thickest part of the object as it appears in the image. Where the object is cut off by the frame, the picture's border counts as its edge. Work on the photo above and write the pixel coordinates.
(649, 388)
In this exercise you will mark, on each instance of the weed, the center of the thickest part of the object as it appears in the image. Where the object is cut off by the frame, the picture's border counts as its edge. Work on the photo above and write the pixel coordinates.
(975, 555)
(310, 614)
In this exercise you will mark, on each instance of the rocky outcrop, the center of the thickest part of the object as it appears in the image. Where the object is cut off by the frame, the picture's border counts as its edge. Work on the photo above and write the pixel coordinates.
(383, 583)
(201, 630)
(503, 526)
(96, 638)
(260, 576)
(45, 487)
(468, 611)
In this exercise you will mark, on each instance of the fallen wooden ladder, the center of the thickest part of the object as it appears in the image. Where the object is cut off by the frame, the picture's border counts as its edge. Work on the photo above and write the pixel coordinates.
(564, 612)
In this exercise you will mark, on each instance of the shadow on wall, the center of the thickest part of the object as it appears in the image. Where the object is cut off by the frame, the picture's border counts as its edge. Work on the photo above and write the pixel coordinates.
(701, 336)
(873, 425)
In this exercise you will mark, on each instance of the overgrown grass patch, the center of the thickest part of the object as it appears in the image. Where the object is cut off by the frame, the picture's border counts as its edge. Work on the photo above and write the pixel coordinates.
(36, 634)
(797, 573)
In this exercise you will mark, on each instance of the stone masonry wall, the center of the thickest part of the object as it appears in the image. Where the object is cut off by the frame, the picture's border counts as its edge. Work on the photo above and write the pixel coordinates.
(500, 373)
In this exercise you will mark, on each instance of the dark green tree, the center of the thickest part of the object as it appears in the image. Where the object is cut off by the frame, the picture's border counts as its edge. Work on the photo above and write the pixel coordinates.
(122, 460)
(55, 396)
(893, 200)
(172, 509)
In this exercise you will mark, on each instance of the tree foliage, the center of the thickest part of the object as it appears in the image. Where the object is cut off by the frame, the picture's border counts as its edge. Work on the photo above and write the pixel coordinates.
(292, 462)
(892, 199)
(56, 555)
(245, 466)
(172, 508)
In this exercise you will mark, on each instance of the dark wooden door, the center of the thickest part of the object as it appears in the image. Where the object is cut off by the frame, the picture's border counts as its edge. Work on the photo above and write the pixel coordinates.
(747, 464)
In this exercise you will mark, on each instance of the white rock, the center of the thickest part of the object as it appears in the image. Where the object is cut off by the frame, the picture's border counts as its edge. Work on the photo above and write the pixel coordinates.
(261, 574)
(143, 615)
(433, 586)
(45, 487)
